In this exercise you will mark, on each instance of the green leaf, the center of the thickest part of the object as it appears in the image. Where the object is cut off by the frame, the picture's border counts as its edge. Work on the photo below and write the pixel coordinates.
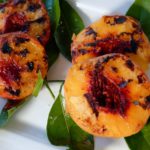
(9, 109)
(52, 52)
(2, 1)
(38, 85)
(57, 129)
(141, 11)
(80, 140)
(62, 130)
(53, 9)
(146, 133)
(141, 140)
(70, 23)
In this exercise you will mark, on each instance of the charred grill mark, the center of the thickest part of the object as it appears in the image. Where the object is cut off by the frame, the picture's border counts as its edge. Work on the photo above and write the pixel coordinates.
(141, 78)
(39, 20)
(6, 49)
(103, 128)
(16, 2)
(90, 44)
(90, 31)
(115, 20)
(2, 10)
(83, 51)
(9, 71)
(24, 52)
(2, 7)
(20, 40)
(73, 53)
(105, 95)
(81, 68)
(116, 45)
(148, 98)
(39, 38)
(25, 27)
(44, 32)
(45, 58)
(130, 80)
(106, 59)
(12, 91)
(115, 69)
(15, 22)
(148, 102)
(146, 105)
(120, 19)
(33, 7)
(129, 64)
(18, 22)
(133, 46)
(30, 66)
(89, 98)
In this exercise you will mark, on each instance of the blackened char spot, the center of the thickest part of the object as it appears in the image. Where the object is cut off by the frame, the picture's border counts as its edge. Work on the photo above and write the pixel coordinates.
(148, 98)
(44, 32)
(30, 66)
(133, 45)
(83, 51)
(148, 102)
(106, 59)
(123, 84)
(129, 64)
(33, 7)
(6, 49)
(2, 7)
(115, 69)
(25, 27)
(90, 31)
(120, 19)
(113, 20)
(39, 38)
(105, 95)
(45, 58)
(24, 52)
(141, 78)
(12, 91)
(73, 53)
(39, 20)
(20, 40)
(16, 2)
(90, 44)
(91, 102)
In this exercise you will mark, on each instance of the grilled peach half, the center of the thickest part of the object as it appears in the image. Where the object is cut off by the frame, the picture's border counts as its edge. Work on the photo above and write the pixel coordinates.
(21, 58)
(108, 96)
(111, 34)
(28, 16)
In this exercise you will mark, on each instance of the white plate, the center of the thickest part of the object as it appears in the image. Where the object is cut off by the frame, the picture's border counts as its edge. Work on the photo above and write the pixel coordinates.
(26, 130)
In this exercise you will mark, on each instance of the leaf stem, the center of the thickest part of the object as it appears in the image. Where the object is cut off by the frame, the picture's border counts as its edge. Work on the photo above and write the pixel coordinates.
(49, 89)
(51, 81)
